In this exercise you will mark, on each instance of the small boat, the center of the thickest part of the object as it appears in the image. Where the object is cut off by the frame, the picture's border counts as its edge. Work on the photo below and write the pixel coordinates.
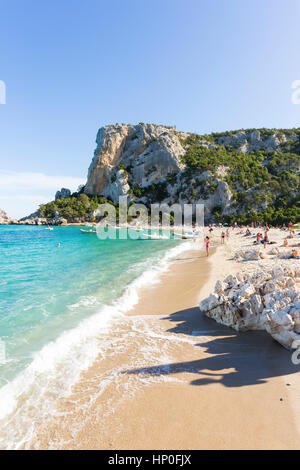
(186, 235)
(82, 230)
(155, 236)
(48, 228)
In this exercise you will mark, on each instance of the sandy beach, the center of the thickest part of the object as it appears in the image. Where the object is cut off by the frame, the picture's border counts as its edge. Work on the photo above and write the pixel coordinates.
(170, 378)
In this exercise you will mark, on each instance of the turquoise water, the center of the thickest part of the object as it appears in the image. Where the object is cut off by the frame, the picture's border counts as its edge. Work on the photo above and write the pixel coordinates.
(51, 289)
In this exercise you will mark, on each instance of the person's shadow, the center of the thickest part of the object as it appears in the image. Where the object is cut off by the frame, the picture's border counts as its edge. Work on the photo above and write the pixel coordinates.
(252, 356)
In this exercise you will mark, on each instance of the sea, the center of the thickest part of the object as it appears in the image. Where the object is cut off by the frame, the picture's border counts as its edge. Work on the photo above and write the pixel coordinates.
(59, 290)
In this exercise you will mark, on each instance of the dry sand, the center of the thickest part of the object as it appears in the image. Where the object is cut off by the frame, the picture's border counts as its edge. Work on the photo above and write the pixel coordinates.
(170, 378)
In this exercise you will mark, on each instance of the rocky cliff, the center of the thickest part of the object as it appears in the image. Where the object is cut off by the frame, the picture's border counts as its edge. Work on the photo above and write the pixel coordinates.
(4, 219)
(240, 176)
(229, 173)
(149, 153)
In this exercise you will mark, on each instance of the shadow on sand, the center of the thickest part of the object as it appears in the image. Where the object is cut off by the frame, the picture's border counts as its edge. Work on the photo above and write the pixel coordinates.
(252, 357)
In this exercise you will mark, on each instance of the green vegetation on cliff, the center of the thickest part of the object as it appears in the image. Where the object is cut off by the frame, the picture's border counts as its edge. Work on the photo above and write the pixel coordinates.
(265, 184)
(77, 205)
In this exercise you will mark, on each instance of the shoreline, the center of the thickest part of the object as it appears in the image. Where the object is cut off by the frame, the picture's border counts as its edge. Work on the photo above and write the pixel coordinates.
(169, 368)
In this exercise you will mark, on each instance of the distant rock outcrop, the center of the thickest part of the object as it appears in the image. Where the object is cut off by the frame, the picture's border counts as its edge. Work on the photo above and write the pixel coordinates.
(62, 194)
(4, 219)
(253, 141)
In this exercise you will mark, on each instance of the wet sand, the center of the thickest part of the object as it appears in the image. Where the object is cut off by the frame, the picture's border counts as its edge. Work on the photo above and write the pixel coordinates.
(170, 378)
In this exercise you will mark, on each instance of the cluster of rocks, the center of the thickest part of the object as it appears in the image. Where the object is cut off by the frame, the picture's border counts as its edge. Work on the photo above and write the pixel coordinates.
(42, 221)
(252, 141)
(36, 219)
(63, 193)
(5, 220)
(266, 300)
(255, 254)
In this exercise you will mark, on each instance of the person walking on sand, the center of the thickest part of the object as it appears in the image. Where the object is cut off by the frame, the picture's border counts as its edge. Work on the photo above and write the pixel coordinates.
(227, 234)
(207, 245)
(266, 239)
(222, 238)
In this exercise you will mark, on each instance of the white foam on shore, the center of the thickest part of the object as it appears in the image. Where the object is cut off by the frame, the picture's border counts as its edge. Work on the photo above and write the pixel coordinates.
(145, 354)
(30, 398)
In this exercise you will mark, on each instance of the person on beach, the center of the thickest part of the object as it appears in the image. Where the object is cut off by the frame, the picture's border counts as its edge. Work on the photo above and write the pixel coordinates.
(266, 239)
(222, 238)
(207, 245)
(227, 234)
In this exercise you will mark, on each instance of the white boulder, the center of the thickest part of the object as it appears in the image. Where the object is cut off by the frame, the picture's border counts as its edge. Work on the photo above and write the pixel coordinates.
(267, 300)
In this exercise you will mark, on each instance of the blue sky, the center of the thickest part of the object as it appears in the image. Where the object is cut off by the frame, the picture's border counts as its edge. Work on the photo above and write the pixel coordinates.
(73, 66)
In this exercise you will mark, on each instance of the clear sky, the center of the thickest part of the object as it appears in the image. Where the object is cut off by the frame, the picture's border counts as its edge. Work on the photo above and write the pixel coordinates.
(73, 66)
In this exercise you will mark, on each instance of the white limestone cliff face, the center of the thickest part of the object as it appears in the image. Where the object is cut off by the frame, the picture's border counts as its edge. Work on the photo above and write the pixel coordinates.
(143, 155)
(266, 300)
(151, 152)
(118, 187)
(110, 145)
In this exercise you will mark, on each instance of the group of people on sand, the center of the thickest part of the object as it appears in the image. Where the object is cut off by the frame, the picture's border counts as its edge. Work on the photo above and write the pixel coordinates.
(263, 238)
(224, 235)
(260, 237)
